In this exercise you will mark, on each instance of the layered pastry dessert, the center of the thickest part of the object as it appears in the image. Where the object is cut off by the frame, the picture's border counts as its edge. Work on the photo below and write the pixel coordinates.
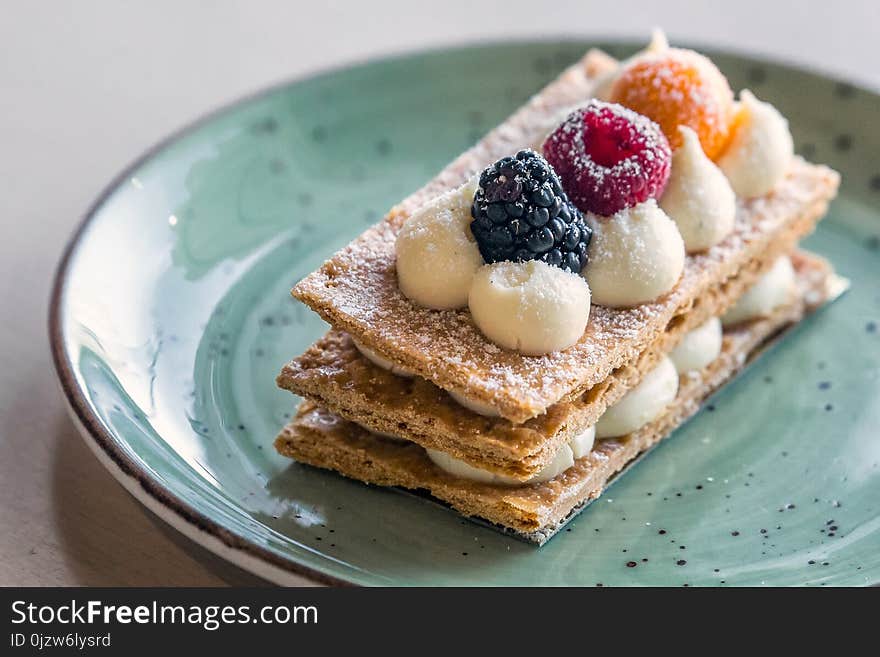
(564, 294)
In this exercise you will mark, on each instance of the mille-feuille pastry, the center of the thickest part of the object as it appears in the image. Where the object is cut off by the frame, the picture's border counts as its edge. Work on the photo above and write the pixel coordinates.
(525, 312)
(355, 383)
(536, 511)
(411, 300)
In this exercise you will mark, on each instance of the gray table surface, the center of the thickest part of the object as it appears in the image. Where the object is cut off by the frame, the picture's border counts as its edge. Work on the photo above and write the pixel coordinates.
(87, 86)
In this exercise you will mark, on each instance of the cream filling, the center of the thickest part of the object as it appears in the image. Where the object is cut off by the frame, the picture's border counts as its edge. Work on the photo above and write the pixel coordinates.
(760, 150)
(530, 307)
(698, 197)
(772, 290)
(578, 447)
(635, 256)
(437, 255)
(473, 405)
(582, 444)
(381, 361)
(698, 347)
(641, 404)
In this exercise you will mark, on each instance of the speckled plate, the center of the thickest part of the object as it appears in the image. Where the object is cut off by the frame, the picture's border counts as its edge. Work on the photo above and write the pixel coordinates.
(171, 317)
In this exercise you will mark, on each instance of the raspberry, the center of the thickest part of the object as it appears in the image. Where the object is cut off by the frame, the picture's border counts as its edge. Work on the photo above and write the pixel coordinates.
(522, 213)
(609, 158)
(679, 87)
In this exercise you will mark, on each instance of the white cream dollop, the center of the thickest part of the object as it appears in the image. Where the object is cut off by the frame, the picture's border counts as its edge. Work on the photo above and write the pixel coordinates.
(760, 151)
(561, 462)
(772, 290)
(372, 356)
(698, 347)
(531, 307)
(698, 197)
(478, 407)
(459, 468)
(642, 404)
(437, 255)
(635, 256)
(582, 444)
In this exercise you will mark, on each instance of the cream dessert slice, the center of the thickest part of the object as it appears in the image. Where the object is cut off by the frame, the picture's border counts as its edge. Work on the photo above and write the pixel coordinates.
(333, 374)
(357, 290)
(536, 511)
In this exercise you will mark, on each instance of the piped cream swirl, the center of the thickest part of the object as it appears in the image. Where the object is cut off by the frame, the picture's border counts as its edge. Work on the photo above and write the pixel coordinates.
(760, 152)
(531, 307)
(636, 256)
(698, 196)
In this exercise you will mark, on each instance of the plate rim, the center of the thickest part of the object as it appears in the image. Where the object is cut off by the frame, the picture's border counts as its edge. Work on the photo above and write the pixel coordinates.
(136, 480)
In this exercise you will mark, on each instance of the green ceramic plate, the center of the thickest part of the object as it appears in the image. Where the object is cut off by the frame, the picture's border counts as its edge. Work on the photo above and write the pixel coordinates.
(171, 317)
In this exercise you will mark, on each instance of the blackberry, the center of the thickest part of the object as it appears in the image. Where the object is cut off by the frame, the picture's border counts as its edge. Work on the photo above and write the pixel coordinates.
(520, 212)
